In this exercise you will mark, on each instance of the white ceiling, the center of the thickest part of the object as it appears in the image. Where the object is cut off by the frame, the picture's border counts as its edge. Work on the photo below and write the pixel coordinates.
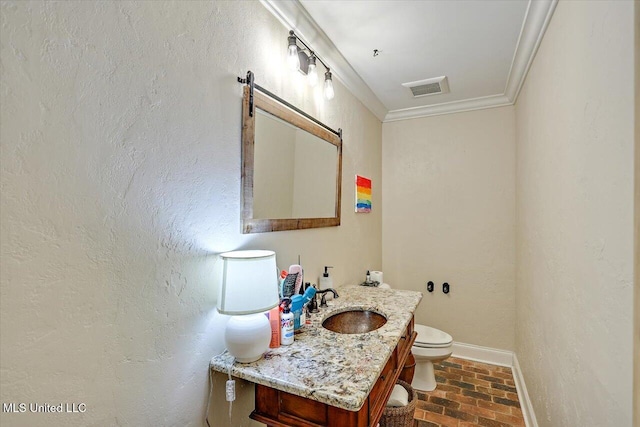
(484, 47)
(470, 42)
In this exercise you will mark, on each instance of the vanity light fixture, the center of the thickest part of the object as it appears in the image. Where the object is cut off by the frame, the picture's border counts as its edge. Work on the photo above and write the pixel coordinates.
(298, 59)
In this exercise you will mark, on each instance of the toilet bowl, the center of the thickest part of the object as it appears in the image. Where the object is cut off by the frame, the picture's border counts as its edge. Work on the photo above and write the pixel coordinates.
(431, 345)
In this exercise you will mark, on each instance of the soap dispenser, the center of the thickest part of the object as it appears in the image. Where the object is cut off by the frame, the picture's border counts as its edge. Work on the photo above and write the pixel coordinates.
(326, 281)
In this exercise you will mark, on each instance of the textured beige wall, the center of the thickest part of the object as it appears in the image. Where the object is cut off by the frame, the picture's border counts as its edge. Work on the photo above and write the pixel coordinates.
(636, 358)
(574, 122)
(120, 177)
(449, 216)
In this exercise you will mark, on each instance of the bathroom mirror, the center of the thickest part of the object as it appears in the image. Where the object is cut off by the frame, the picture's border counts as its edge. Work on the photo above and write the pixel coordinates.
(291, 166)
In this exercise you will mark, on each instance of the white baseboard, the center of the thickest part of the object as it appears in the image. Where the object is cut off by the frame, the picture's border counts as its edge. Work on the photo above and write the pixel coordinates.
(523, 395)
(481, 354)
(498, 357)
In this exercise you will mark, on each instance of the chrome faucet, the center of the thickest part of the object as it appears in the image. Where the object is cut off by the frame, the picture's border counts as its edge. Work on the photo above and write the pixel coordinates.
(323, 300)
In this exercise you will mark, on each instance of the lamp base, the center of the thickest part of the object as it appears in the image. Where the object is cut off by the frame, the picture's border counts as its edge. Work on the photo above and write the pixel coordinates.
(247, 337)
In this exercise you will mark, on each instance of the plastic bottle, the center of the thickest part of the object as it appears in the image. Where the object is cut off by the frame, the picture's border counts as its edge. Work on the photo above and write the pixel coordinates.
(286, 322)
(326, 281)
(274, 321)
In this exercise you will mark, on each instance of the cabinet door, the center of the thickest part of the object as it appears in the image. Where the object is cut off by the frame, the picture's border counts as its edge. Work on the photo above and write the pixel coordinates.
(377, 397)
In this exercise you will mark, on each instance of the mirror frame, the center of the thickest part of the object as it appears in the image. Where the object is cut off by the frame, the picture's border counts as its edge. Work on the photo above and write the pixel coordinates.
(276, 106)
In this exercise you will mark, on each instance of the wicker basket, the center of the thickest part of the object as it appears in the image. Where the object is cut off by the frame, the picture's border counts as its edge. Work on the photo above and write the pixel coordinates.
(401, 416)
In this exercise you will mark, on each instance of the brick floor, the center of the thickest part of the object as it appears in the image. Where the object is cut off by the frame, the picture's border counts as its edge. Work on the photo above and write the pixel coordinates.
(470, 394)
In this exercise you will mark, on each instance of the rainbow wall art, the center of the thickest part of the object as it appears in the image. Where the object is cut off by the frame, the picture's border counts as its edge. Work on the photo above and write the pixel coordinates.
(363, 194)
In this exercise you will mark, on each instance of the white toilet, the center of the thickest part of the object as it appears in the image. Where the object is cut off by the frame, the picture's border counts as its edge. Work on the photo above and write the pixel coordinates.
(431, 345)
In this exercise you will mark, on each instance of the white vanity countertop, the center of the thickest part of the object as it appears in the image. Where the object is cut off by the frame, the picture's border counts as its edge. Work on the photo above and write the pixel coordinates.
(337, 369)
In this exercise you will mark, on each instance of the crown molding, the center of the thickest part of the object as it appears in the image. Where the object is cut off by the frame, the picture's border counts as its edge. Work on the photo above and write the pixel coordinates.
(448, 108)
(534, 26)
(294, 16)
(537, 17)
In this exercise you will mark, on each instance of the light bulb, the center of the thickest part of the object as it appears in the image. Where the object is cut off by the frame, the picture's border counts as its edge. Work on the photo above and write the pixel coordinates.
(292, 53)
(328, 86)
(292, 58)
(312, 73)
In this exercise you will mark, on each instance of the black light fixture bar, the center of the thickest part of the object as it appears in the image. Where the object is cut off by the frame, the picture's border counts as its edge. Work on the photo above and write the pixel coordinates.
(249, 80)
(292, 33)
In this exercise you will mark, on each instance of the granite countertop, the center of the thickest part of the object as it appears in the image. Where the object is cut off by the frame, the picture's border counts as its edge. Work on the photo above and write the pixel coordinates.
(337, 369)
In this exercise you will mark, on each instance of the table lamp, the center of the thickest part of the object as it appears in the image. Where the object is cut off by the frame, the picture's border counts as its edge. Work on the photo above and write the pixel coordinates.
(248, 288)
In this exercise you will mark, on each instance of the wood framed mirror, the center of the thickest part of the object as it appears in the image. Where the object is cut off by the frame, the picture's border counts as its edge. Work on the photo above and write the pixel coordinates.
(291, 166)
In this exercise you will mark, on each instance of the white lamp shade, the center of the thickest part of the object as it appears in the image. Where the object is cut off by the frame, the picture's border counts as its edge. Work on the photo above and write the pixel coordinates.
(249, 282)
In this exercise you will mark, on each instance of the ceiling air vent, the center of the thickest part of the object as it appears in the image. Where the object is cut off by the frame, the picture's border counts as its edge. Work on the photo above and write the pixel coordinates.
(428, 87)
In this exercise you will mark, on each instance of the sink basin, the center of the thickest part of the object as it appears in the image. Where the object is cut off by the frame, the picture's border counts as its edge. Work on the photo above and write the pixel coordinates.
(354, 322)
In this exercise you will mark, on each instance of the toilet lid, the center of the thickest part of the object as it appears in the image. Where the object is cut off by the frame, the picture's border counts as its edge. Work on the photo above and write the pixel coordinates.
(431, 337)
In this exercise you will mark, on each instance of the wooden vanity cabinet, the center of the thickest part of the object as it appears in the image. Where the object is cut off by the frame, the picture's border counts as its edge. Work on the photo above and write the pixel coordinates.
(277, 408)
